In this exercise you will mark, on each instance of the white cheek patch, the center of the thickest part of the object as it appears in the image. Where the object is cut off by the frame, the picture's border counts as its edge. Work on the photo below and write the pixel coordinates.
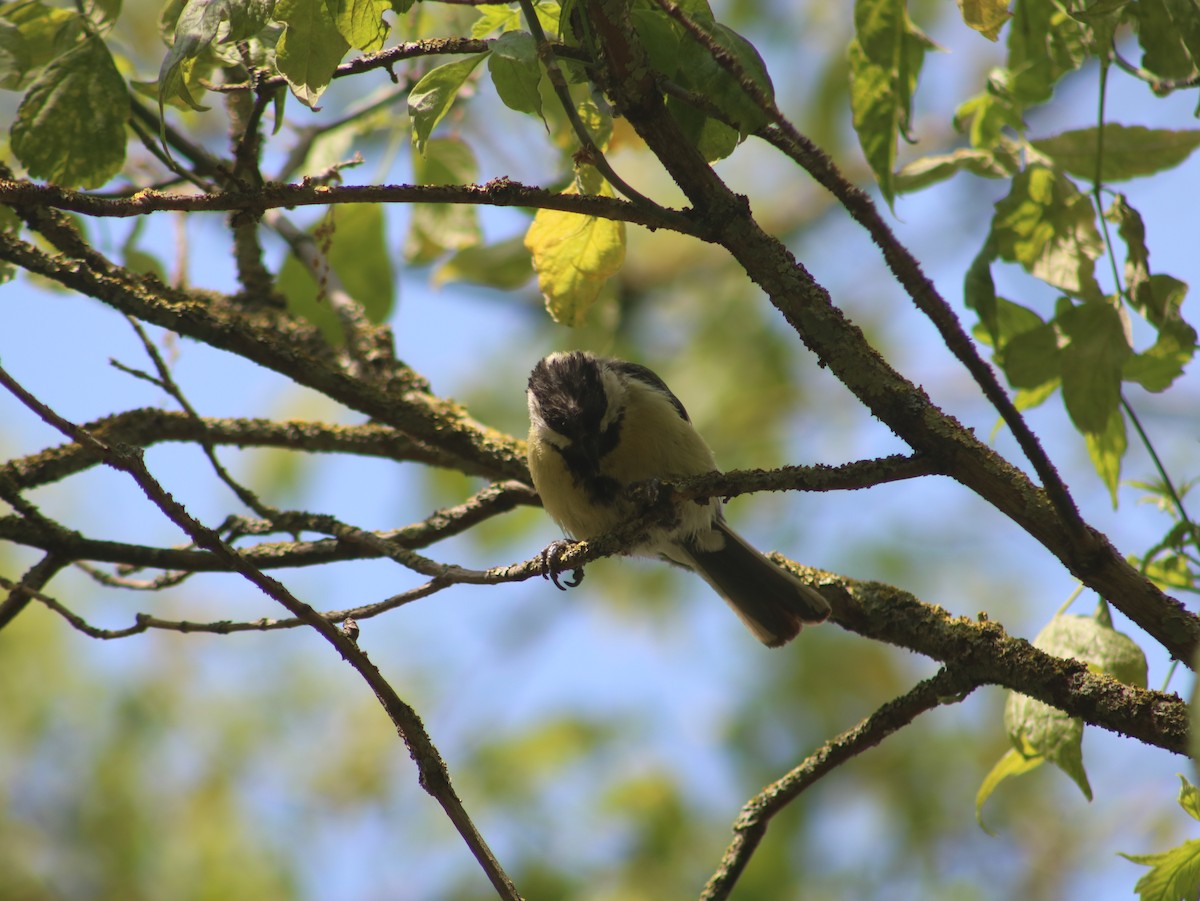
(544, 432)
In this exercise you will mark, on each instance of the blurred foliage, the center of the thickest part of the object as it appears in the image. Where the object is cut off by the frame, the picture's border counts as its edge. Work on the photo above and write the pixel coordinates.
(181, 769)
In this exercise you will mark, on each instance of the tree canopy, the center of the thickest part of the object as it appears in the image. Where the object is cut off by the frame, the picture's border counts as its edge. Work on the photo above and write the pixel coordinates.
(274, 273)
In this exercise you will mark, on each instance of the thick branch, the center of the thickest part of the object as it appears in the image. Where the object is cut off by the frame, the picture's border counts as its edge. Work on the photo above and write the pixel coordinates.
(295, 350)
(149, 426)
(983, 652)
(501, 192)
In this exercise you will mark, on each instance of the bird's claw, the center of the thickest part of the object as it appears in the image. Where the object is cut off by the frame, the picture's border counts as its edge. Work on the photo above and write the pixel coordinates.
(552, 565)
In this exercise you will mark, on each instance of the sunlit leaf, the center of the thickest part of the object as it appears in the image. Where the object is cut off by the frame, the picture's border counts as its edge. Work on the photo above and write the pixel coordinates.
(1044, 44)
(1038, 730)
(985, 16)
(31, 35)
(196, 28)
(930, 170)
(1012, 763)
(1106, 448)
(83, 88)
(885, 60)
(1129, 151)
(495, 17)
(1049, 227)
(574, 254)
(310, 49)
(516, 72)
(361, 23)
(432, 96)
(1174, 875)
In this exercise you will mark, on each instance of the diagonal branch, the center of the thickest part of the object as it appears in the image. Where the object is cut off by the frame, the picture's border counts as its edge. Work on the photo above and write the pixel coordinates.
(904, 266)
(905, 408)
(947, 686)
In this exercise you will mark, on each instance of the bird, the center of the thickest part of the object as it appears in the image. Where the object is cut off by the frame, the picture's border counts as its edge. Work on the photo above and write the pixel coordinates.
(598, 425)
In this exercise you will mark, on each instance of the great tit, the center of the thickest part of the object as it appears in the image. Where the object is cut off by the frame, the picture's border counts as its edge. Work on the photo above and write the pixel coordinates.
(598, 425)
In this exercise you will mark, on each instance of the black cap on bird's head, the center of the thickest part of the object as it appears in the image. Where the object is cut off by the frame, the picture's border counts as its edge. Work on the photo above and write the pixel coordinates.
(567, 392)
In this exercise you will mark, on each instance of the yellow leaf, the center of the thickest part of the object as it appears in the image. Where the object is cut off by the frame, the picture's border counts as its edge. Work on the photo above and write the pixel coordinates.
(573, 254)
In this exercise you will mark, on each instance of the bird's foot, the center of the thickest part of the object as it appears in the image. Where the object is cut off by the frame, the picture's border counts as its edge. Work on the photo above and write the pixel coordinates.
(551, 560)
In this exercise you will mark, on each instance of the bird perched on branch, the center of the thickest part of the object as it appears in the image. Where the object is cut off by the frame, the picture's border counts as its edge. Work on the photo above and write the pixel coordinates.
(598, 425)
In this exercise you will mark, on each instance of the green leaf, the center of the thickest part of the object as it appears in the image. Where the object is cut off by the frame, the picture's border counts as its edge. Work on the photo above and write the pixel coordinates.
(729, 96)
(574, 254)
(1157, 368)
(930, 170)
(310, 48)
(31, 35)
(198, 25)
(1160, 302)
(1169, 34)
(885, 60)
(1174, 874)
(505, 265)
(985, 16)
(361, 23)
(660, 36)
(1129, 151)
(432, 96)
(1013, 319)
(1189, 798)
(1039, 730)
(1093, 358)
(358, 252)
(1133, 232)
(1106, 448)
(101, 12)
(1030, 359)
(985, 116)
(1028, 398)
(82, 88)
(438, 227)
(9, 225)
(691, 65)
(1049, 227)
(495, 17)
(714, 139)
(1012, 763)
(979, 294)
(1044, 44)
(516, 72)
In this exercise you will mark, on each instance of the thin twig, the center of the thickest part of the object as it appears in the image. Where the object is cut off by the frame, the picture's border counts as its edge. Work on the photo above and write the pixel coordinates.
(434, 777)
(590, 151)
(947, 686)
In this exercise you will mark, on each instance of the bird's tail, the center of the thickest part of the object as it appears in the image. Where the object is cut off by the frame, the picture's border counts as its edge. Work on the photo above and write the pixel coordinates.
(771, 601)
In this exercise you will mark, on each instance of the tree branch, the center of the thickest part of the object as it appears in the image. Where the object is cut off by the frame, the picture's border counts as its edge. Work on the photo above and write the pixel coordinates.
(500, 192)
(433, 775)
(947, 686)
(841, 346)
